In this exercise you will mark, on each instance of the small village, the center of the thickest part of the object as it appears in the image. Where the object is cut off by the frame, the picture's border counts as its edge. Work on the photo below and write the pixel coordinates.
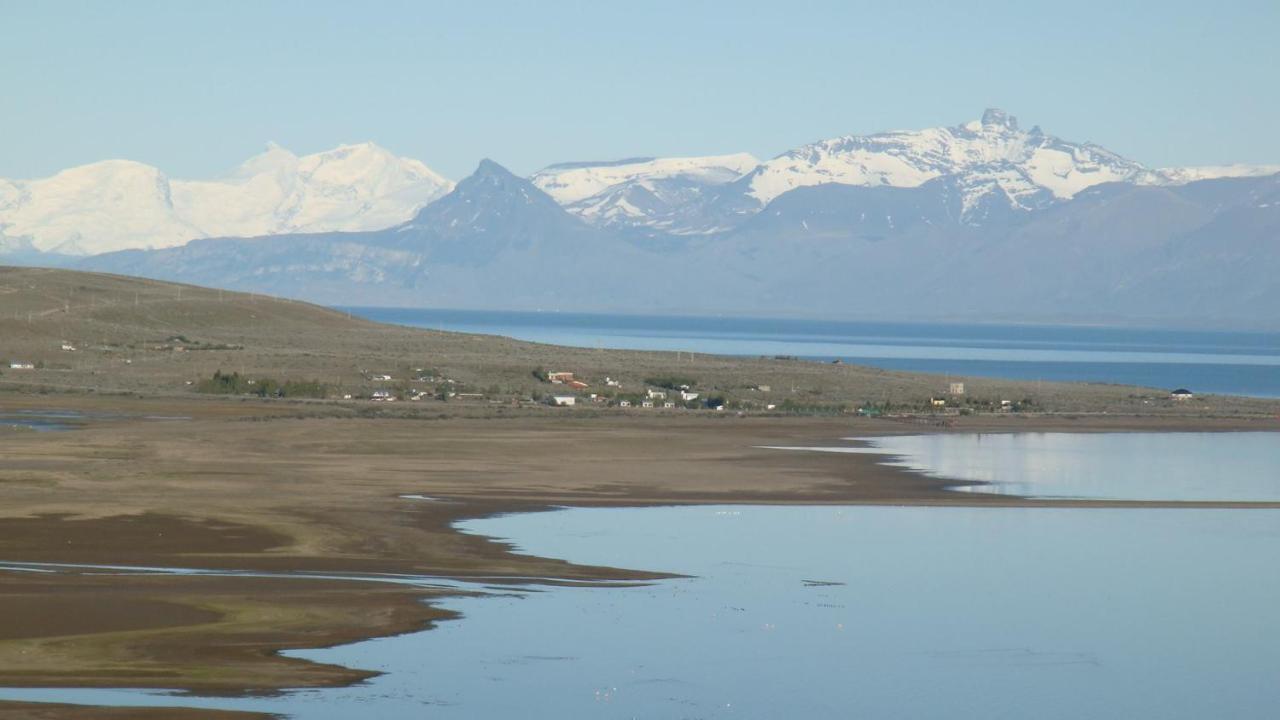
(556, 388)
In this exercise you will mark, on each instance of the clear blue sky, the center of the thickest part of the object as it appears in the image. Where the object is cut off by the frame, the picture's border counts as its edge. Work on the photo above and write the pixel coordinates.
(195, 88)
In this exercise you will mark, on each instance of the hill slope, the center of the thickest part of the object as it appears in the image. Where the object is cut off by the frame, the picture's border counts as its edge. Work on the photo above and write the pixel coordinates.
(154, 338)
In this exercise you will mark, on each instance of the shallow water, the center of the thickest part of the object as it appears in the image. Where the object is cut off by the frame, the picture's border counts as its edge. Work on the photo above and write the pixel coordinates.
(938, 613)
(1236, 466)
(42, 421)
(879, 612)
(60, 420)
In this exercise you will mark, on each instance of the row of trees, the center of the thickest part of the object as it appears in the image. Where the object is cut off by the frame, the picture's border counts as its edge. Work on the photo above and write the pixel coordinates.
(236, 384)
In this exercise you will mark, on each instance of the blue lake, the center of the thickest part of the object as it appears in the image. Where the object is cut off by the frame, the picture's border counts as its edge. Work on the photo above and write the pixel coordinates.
(1243, 363)
(834, 612)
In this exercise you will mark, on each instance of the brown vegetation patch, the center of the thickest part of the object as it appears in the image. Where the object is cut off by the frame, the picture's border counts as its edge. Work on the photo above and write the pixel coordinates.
(117, 538)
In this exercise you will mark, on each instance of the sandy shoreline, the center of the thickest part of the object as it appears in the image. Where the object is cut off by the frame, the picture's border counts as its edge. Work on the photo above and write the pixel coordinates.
(272, 486)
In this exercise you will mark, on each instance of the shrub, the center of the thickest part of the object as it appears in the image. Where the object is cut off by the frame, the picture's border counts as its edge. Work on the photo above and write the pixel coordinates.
(671, 382)
(236, 384)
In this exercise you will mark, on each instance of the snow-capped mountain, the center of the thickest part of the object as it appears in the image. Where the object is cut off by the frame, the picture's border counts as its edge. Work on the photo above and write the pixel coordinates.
(120, 204)
(992, 170)
(1114, 253)
(649, 193)
(1184, 175)
(495, 238)
(569, 183)
(989, 156)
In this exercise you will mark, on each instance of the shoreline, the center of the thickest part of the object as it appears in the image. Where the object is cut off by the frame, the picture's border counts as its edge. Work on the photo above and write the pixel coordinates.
(327, 496)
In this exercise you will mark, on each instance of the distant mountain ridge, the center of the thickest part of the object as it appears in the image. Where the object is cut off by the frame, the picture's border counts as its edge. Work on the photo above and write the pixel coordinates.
(976, 222)
(120, 204)
(992, 164)
(495, 239)
(1205, 253)
(651, 194)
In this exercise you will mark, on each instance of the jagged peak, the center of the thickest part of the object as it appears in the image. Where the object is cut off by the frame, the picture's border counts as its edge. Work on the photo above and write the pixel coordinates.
(997, 118)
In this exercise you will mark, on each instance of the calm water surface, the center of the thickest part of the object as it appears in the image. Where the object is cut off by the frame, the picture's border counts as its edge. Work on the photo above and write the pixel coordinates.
(1240, 466)
(1241, 363)
(876, 612)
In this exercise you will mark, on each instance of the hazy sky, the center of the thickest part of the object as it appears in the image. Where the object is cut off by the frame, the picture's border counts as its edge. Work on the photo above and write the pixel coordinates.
(195, 88)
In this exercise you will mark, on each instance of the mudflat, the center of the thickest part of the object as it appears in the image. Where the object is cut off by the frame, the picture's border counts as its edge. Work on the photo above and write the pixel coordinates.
(274, 487)
(157, 475)
(50, 711)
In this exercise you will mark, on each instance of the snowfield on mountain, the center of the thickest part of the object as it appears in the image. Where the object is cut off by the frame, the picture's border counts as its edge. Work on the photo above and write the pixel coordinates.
(120, 204)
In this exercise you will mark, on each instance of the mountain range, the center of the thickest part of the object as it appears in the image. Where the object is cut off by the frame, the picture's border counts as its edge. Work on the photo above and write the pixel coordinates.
(120, 204)
(980, 221)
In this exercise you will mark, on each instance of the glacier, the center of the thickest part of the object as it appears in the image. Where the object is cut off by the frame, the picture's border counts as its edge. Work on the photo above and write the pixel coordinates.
(120, 204)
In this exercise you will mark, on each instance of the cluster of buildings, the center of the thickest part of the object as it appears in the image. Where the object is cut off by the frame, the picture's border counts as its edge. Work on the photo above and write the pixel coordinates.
(652, 398)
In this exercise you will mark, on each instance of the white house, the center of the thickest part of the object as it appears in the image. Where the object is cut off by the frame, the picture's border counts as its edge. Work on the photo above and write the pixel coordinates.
(624, 403)
(68, 347)
(564, 400)
(21, 366)
(646, 403)
(686, 395)
(656, 394)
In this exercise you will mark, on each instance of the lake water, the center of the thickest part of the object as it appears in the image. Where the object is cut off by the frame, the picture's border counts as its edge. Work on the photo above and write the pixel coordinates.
(60, 420)
(1243, 466)
(1242, 363)
(42, 420)
(835, 612)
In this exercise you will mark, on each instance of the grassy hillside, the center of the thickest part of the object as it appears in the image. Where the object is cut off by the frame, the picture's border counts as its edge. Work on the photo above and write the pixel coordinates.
(153, 338)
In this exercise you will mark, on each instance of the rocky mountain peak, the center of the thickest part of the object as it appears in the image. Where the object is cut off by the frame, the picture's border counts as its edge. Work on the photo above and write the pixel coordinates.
(995, 118)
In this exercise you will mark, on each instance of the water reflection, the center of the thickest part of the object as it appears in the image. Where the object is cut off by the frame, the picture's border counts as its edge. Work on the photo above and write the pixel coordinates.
(1242, 466)
(843, 612)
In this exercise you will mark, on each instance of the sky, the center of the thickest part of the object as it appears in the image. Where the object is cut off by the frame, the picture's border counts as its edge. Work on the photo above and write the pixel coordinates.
(196, 88)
